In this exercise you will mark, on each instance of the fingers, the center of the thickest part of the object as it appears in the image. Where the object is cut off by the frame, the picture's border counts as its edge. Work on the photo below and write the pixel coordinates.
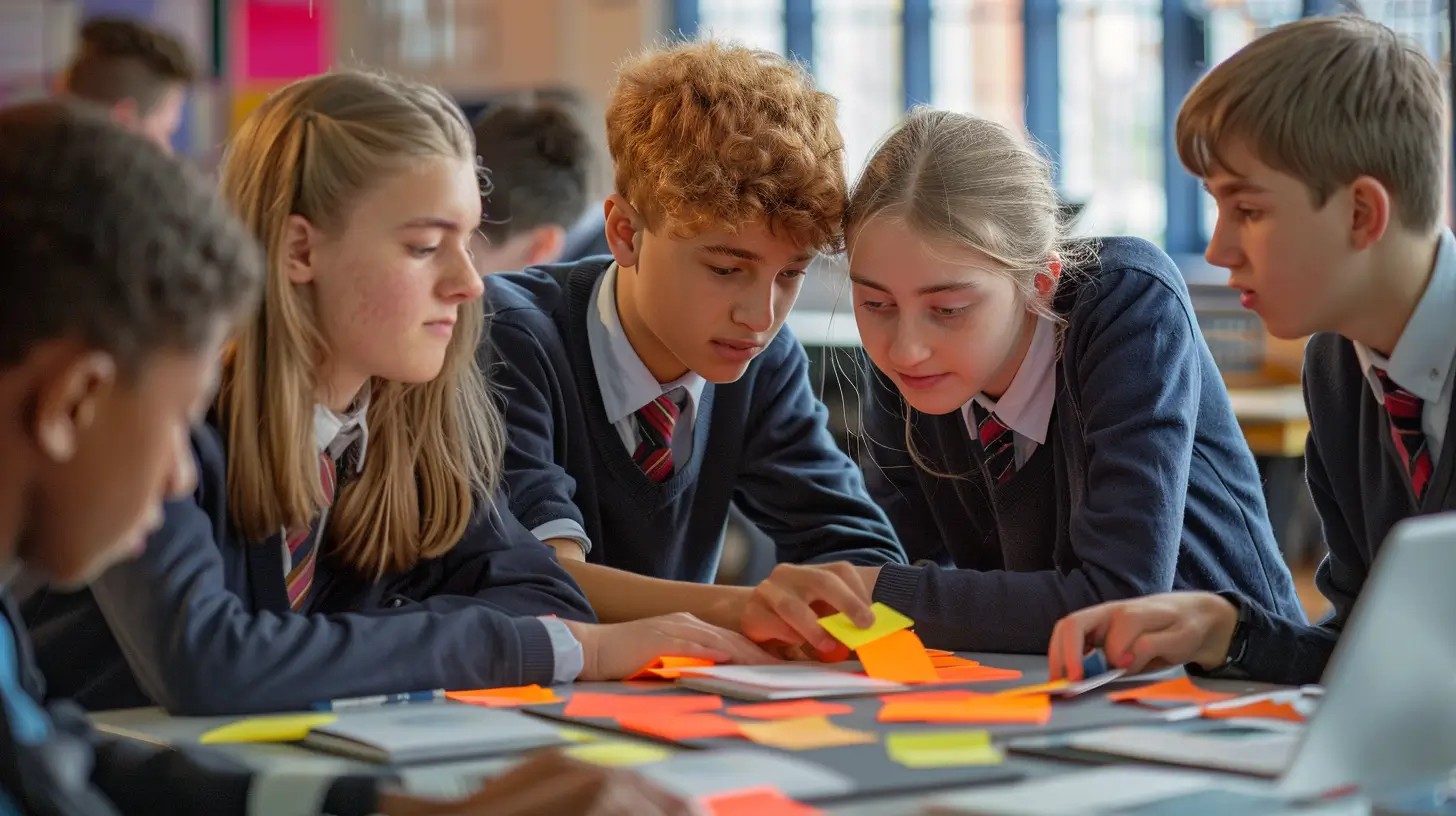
(839, 586)
(732, 646)
(1132, 622)
(794, 610)
(1063, 653)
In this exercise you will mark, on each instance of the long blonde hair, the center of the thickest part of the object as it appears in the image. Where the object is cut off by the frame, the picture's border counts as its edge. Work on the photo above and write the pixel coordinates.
(435, 448)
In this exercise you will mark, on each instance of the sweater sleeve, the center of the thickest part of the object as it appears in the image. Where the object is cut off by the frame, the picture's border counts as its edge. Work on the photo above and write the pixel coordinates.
(796, 485)
(1126, 529)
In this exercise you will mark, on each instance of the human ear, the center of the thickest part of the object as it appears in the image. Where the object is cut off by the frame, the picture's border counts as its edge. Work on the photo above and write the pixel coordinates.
(300, 240)
(1370, 211)
(624, 228)
(68, 402)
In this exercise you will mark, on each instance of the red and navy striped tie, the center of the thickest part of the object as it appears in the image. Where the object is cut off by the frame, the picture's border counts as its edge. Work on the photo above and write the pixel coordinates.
(1405, 409)
(303, 543)
(998, 442)
(655, 422)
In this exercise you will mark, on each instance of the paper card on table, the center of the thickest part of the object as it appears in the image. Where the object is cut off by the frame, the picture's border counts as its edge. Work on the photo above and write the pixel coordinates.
(280, 728)
(680, 726)
(804, 734)
(939, 653)
(579, 735)
(617, 753)
(898, 657)
(1091, 683)
(1259, 709)
(949, 661)
(1032, 708)
(669, 667)
(887, 621)
(593, 704)
(976, 674)
(1039, 688)
(505, 697)
(766, 800)
(930, 696)
(792, 709)
(942, 749)
(1177, 690)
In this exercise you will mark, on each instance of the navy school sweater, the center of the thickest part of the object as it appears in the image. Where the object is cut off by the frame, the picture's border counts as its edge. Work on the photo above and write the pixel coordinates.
(52, 763)
(1358, 483)
(200, 623)
(762, 442)
(1145, 483)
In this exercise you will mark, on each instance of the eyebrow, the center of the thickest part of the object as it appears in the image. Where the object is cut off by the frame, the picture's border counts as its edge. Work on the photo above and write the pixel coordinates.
(431, 221)
(950, 286)
(1229, 188)
(748, 255)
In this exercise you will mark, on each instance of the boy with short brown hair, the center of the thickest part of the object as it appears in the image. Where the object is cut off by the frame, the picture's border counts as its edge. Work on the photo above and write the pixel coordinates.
(138, 73)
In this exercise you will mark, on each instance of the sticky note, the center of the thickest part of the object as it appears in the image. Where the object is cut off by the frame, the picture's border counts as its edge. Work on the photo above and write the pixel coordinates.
(976, 674)
(887, 621)
(949, 661)
(1039, 688)
(505, 697)
(669, 667)
(766, 800)
(591, 704)
(898, 657)
(1178, 690)
(281, 728)
(930, 696)
(1030, 708)
(939, 653)
(617, 753)
(578, 735)
(804, 734)
(1261, 709)
(942, 749)
(791, 709)
(680, 726)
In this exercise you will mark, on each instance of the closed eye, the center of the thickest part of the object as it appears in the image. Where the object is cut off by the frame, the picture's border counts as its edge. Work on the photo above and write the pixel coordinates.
(422, 251)
(722, 270)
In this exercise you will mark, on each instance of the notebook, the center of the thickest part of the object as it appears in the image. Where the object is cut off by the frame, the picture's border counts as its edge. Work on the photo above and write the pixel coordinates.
(1254, 747)
(400, 735)
(788, 681)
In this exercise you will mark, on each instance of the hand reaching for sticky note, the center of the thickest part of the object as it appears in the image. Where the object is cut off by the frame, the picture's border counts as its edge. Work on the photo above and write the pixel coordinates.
(786, 608)
(617, 650)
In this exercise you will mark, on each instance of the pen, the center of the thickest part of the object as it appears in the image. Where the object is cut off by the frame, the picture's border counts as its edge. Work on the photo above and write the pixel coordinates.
(381, 700)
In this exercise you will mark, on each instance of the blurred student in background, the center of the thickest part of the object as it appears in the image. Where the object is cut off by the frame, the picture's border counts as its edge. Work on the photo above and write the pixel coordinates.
(139, 74)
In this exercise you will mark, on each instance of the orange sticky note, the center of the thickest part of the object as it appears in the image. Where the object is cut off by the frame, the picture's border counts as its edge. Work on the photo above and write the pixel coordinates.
(1179, 690)
(930, 696)
(1031, 708)
(898, 657)
(505, 697)
(762, 801)
(976, 674)
(591, 704)
(680, 726)
(1039, 688)
(792, 709)
(939, 653)
(1263, 709)
(669, 667)
(804, 734)
(949, 661)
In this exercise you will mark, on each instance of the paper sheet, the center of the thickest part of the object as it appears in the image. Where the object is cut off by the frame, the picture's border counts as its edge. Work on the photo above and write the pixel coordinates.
(765, 800)
(617, 754)
(1030, 708)
(1179, 690)
(678, 727)
(942, 749)
(281, 728)
(669, 667)
(976, 674)
(887, 621)
(804, 734)
(505, 697)
(593, 704)
(898, 657)
(790, 710)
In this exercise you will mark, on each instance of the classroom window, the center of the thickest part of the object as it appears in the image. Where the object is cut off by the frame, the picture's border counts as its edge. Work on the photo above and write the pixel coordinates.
(857, 58)
(755, 23)
(976, 54)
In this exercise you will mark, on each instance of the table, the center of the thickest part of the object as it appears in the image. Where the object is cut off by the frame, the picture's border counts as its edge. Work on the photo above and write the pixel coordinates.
(456, 778)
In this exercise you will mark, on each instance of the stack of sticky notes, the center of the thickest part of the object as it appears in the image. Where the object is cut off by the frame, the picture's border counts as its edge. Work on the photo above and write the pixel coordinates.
(669, 667)
(888, 650)
(942, 749)
(505, 697)
(766, 800)
(1179, 691)
(1033, 709)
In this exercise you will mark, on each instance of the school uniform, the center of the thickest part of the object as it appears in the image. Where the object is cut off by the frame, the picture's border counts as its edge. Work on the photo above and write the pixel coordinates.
(1112, 467)
(208, 622)
(1378, 452)
(641, 473)
(53, 763)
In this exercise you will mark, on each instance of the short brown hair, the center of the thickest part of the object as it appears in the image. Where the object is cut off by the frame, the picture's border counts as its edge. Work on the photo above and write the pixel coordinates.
(1327, 100)
(708, 134)
(538, 157)
(121, 59)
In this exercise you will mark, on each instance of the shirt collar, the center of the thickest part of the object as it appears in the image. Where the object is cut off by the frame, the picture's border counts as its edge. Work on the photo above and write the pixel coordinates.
(336, 432)
(1426, 351)
(1026, 407)
(625, 382)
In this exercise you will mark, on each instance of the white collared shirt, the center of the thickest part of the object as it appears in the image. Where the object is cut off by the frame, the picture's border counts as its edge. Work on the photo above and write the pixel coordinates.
(1026, 407)
(626, 387)
(335, 433)
(1425, 354)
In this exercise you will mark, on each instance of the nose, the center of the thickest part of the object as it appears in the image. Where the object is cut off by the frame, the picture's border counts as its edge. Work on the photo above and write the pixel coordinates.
(755, 309)
(462, 283)
(182, 479)
(1223, 247)
(907, 349)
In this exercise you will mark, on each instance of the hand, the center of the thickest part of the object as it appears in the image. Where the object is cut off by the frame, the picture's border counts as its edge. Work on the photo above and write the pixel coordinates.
(614, 651)
(786, 608)
(550, 784)
(1153, 632)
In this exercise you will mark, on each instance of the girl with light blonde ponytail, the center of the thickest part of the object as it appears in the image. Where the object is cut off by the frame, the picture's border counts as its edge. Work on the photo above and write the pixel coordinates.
(344, 538)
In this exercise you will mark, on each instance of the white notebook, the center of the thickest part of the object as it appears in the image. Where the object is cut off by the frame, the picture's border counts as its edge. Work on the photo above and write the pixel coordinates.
(787, 681)
(1257, 748)
(1104, 790)
(431, 733)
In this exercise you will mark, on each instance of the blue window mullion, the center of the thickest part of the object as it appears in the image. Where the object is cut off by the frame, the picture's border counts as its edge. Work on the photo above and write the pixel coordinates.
(799, 30)
(1184, 50)
(684, 18)
(1041, 70)
(915, 55)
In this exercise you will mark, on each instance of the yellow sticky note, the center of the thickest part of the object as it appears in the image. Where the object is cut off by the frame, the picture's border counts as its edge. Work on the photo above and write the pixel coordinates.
(282, 728)
(803, 734)
(617, 754)
(1039, 688)
(887, 622)
(578, 735)
(942, 749)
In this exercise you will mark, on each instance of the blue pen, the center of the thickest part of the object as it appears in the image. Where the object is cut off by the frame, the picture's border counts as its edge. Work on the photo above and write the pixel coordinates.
(376, 700)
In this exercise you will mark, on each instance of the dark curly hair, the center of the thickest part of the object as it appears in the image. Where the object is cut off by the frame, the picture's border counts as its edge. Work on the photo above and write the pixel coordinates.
(121, 59)
(107, 239)
(538, 157)
(706, 134)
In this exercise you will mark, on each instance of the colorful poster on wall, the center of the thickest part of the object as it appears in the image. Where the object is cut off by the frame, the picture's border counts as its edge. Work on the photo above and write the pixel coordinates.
(285, 39)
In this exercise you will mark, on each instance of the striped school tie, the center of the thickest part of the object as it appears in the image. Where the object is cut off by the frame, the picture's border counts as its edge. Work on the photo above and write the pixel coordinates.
(655, 422)
(998, 442)
(303, 543)
(1405, 409)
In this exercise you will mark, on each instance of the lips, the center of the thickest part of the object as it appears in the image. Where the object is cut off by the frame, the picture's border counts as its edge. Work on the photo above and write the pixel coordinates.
(736, 350)
(920, 382)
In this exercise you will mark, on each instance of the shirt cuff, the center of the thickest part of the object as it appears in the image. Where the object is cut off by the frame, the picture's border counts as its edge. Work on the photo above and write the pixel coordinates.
(566, 648)
(898, 586)
(564, 528)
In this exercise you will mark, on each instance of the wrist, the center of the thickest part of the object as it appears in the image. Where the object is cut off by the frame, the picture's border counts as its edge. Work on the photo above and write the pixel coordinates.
(869, 576)
(726, 608)
(586, 635)
(1224, 619)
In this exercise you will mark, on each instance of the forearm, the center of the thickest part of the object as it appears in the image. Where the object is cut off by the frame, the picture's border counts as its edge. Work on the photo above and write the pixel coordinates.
(618, 595)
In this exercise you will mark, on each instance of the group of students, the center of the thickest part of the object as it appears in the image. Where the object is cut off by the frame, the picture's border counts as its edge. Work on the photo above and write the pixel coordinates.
(266, 446)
